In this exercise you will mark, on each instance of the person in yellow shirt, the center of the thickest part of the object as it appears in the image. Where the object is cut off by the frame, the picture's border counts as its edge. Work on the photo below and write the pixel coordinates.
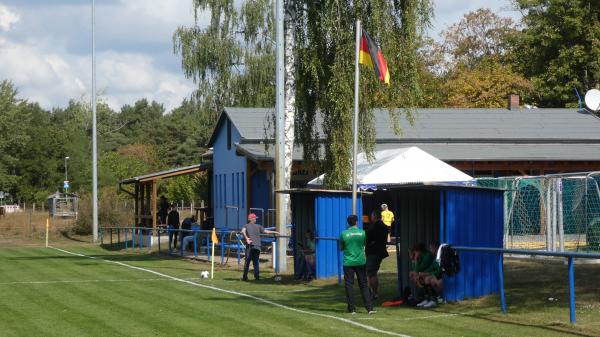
(387, 217)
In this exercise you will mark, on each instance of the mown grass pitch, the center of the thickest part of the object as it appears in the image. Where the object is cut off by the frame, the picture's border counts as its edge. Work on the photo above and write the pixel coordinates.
(47, 292)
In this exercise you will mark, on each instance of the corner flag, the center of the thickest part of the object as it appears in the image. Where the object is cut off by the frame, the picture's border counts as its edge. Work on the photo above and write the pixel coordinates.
(213, 237)
(371, 55)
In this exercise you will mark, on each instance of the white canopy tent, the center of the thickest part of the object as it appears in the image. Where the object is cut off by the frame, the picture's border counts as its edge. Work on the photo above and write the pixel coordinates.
(409, 165)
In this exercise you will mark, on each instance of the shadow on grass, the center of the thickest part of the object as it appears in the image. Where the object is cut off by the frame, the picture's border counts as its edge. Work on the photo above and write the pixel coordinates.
(66, 235)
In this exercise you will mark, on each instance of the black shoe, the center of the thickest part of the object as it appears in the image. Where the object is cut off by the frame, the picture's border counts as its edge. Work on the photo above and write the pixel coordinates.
(245, 279)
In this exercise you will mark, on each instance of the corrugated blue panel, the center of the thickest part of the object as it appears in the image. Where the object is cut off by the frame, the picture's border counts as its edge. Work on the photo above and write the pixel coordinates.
(260, 192)
(473, 218)
(227, 165)
(331, 211)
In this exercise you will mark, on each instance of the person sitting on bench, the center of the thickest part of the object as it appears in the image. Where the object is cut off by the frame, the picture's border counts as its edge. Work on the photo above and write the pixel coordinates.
(422, 260)
(189, 236)
(431, 279)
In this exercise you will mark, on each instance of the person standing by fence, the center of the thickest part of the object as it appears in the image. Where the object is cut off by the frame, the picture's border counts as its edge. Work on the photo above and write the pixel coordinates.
(173, 226)
(163, 210)
(352, 242)
(252, 232)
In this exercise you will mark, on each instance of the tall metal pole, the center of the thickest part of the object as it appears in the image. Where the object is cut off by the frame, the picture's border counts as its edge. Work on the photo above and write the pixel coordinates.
(280, 134)
(66, 174)
(355, 120)
(94, 142)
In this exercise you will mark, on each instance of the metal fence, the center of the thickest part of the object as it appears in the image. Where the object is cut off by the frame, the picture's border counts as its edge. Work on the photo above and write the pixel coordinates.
(552, 212)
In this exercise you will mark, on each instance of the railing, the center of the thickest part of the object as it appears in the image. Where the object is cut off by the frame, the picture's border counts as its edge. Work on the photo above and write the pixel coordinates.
(569, 255)
(129, 235)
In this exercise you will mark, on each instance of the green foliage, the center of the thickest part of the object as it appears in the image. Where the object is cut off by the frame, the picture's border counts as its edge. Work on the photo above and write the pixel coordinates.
(138, 140)
(14, 116)
(559, 48)
(326, 51)
(231, 59)
(487, 85)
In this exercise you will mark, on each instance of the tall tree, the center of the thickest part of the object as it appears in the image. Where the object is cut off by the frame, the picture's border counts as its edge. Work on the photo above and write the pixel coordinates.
(14, 119)
(559, 48)
(232, 58)
(474, 61)
(326, 48)
(480, 35)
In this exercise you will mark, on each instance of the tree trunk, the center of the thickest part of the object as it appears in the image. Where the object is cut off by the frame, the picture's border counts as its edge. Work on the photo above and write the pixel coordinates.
(290, 106)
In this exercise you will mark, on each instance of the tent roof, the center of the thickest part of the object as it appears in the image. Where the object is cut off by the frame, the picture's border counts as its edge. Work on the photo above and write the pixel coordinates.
(408, 165)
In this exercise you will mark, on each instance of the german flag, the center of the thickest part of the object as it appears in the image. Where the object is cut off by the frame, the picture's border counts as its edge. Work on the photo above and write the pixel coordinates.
(371, 55)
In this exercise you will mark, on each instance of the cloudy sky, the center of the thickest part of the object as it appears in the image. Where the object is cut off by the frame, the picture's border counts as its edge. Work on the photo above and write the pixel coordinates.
(45, 47)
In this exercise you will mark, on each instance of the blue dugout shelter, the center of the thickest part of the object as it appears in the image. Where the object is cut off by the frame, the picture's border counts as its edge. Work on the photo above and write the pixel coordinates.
(454, 214)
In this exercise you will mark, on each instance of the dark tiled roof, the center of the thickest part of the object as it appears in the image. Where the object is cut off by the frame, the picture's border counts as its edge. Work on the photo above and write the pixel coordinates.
(460, 134)
(467, 152)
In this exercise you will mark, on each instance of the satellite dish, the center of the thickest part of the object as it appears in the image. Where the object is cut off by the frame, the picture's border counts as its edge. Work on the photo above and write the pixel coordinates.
(592, 99)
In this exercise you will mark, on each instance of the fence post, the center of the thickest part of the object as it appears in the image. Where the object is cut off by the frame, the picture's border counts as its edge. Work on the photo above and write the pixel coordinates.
(554, 215)
(195, 244)
(561, 229)
(501, 282)
(181, 236)
(548, 220)
(571, 291)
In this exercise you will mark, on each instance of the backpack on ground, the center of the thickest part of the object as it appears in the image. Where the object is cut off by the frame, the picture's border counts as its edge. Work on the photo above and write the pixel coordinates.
(449, 261)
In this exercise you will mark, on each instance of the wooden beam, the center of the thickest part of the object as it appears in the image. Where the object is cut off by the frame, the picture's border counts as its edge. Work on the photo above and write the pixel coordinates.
(153, 201)
(172, 174)
(526, 166)
(137, 204)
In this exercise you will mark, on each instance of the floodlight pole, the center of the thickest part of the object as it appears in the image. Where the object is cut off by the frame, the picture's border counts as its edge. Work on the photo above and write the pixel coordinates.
(280, 212)
(66, 173)
(94, 142)
(355, 119)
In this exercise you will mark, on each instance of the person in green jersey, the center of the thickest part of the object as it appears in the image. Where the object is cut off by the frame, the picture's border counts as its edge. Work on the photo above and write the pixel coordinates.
(352, 243)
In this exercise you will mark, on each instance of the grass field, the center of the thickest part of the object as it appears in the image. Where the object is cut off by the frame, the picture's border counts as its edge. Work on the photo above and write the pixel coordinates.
(52, 292)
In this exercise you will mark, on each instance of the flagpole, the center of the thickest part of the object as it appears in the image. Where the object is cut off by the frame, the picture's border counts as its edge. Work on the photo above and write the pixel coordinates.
(355, 120)
(212, 262)
(214, 240)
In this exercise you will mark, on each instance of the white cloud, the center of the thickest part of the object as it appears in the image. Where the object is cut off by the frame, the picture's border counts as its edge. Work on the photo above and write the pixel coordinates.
(45, 47)
(8, 18)
(49, 57)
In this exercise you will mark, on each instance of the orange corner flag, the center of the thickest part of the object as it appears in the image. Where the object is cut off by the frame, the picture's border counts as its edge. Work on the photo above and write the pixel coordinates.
(214, 238)
(371, 55)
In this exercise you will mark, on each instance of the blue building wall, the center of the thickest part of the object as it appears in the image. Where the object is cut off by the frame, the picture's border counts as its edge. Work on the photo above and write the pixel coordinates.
(331, 211)
(229, 180)
(259, 194)
(472, 217)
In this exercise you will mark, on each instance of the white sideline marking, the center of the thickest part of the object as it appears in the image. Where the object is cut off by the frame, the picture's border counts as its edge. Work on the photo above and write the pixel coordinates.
(276, 291)
(90, 281)
(410, 318)
(345, 320)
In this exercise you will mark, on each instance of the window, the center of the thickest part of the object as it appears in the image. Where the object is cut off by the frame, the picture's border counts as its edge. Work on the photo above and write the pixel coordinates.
(224, 190)
(243, 190)
(228, 134)
(237, 187)
(216, 190)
